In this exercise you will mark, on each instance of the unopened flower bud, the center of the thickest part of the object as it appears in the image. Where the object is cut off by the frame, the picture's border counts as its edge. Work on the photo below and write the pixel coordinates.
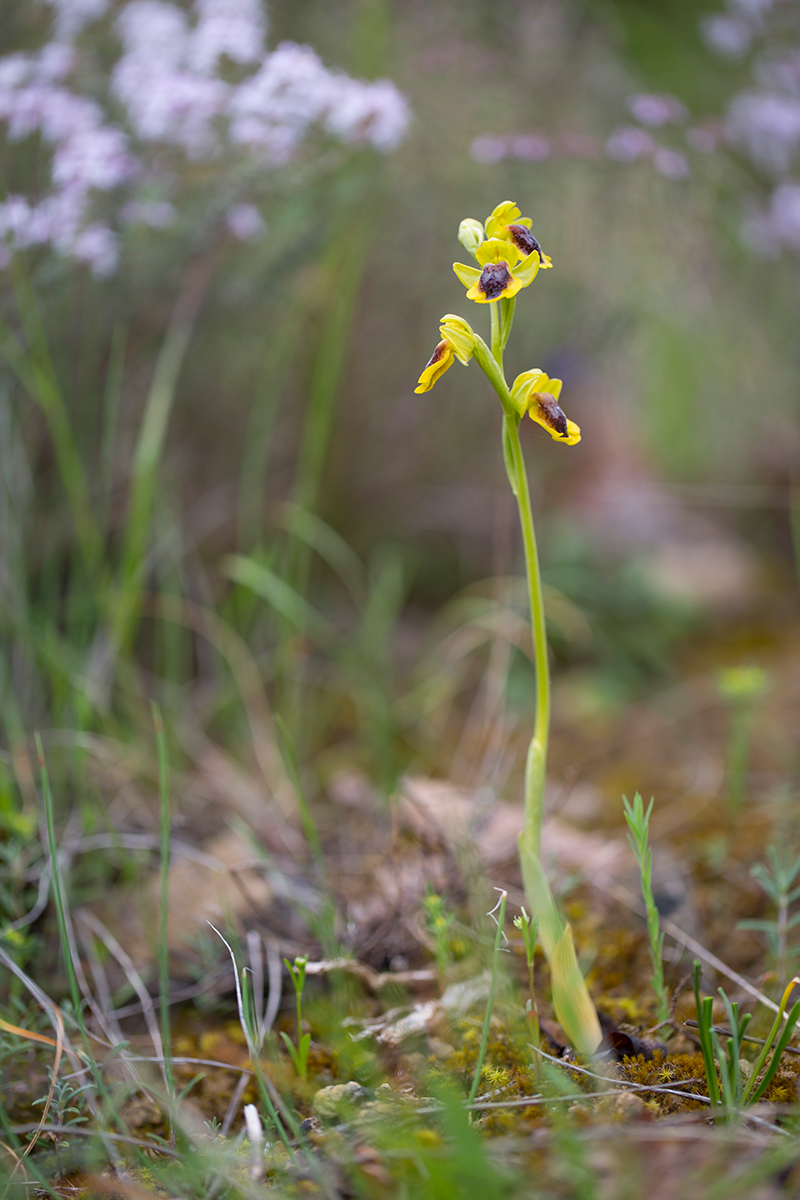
(470, 234)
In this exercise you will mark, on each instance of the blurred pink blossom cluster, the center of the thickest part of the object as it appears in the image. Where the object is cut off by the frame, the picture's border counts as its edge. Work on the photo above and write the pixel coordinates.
(764, 120)
(626, 144)
(732, 33)
(200, 82)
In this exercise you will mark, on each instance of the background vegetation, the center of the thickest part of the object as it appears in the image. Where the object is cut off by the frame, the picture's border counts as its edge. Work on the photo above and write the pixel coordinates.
(219, 492)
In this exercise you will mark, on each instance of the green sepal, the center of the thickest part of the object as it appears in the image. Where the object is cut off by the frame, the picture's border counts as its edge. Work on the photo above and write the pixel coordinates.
(572, 1003)
(460, 334)
(522, 387)
(467, 275)
(528, 269)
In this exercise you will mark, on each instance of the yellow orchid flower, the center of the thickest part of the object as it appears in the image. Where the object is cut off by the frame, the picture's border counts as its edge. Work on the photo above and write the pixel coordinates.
(536, 394)
(508, 224)
(502, 273)
(458, 341)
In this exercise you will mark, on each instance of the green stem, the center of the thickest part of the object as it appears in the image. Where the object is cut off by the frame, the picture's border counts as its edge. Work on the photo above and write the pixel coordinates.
(536, 765)
(490, 998)
(57, 888)
(498, 344)
(163, 902)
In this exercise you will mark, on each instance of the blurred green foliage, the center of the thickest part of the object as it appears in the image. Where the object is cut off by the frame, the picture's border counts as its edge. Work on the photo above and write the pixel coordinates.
(295, 387)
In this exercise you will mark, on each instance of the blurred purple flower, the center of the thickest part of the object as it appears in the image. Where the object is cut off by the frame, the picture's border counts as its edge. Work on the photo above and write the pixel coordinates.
(767, 126)
(729, 36)
(72, 15)
(233, 29)
(655, 109)
(530, 148)
(629, 143)
(93, 158)
(374, 113)
(166, 80)
(785, 213)
(488, 149)
(670, 163)
(97, 246)
(245, 222)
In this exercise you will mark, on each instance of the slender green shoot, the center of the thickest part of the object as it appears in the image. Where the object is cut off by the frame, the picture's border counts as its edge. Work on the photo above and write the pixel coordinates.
(58, 894)
(741, 688)
(299, 1054)
(439, 921)
(639, 831)
(705, 1021)
(163, 898)
(286, 1119)
(754, 1088)
(529, 928)
(148, 453)
(778, 878)
(732, 1089)
(500, 911)
(729, 1058)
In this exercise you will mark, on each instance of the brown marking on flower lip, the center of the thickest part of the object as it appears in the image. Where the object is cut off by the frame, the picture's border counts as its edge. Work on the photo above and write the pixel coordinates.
(495, 278)
(438, 354)
(524, 240)
(553, 416)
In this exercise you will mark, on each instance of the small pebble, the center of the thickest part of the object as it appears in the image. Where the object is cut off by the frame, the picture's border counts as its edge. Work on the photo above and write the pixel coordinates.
(340, 1099)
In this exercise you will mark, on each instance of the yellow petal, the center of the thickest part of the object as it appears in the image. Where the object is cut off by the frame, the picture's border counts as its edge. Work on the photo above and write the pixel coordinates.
(528, 269)
(544, 410)
(440, 361)
(506, 213)
(467, 275)
(495, 250)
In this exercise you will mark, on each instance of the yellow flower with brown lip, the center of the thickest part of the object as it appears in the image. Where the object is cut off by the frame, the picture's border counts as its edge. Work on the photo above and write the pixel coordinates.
(502, 273)
(458, 341)
(536, 394)
(508, 224)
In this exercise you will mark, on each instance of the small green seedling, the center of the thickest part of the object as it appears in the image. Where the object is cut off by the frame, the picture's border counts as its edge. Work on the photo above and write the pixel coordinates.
(777, 880)
(639, 831)
(731, 1089)
(741, 688)
(299, 1054)
(529, 928)
(497, 914)
(439, 921)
